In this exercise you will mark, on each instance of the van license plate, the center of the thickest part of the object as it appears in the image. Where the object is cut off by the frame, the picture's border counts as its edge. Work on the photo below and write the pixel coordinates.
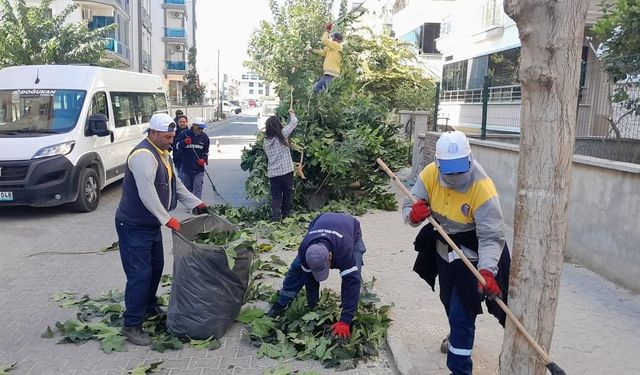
(6, 195)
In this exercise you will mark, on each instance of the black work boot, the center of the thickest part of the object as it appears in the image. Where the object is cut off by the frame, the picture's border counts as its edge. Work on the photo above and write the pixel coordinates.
(275, 310)
(136, 335)
(444, 347)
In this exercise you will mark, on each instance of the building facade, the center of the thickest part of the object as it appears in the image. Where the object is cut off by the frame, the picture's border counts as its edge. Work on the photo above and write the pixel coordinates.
(252, 86)
(153, 36)
(477, 40)
(420, 23)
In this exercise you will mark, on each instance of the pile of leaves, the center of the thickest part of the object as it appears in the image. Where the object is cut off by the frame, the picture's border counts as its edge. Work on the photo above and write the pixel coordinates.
(344, 129)
(303, 333)
(100, 319)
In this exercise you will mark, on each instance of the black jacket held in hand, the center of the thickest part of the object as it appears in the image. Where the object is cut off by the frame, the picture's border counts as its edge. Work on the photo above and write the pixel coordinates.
(426, 266)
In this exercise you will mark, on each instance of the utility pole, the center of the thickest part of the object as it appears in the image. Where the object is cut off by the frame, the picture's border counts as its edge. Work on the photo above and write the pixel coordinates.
(218, 87)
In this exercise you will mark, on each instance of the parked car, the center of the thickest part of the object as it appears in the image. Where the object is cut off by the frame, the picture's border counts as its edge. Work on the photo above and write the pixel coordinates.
(66, 131)
(251, 103)
(230, 108)
(267, 110)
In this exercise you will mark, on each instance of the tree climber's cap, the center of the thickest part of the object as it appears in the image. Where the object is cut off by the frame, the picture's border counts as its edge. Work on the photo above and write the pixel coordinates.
(317, 258)
(453, 153)
(337, 36)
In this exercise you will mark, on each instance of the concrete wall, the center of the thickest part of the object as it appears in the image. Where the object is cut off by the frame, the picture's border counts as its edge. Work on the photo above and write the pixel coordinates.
(604, 215)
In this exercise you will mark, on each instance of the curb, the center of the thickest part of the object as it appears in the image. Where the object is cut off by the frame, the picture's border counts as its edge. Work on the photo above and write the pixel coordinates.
(399, 356)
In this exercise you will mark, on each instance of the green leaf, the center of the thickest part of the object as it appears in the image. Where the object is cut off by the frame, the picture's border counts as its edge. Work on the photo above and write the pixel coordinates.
(208, 344)
(113, 247)
(112, 343)
(5, 369)
(249, 314)
(262, 327)
(145, 369)
(311, 316)
(164, 342)
(59, 296)
(47, 334)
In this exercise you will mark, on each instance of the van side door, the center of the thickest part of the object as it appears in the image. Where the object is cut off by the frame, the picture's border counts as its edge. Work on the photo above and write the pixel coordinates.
(103, 145)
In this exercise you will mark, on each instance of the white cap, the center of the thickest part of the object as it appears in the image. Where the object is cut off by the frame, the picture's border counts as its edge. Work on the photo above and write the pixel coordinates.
(200, 122)
(452, 152)
(162, 122)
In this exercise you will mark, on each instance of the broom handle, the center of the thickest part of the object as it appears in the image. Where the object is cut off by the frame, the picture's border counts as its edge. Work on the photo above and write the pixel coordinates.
(543, 354)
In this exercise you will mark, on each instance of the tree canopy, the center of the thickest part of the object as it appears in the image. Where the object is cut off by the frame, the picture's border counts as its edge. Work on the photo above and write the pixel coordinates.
(346, 127)
(193, 91)
(32, 35)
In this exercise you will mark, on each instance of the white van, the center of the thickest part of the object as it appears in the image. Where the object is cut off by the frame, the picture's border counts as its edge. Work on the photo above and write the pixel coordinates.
(66, 131)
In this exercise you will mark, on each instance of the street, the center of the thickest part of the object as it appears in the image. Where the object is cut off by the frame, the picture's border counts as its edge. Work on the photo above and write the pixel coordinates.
(29, 280)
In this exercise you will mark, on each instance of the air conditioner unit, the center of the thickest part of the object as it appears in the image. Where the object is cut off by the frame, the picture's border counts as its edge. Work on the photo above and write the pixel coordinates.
(87, 14)
(179, 47)
(178, 15)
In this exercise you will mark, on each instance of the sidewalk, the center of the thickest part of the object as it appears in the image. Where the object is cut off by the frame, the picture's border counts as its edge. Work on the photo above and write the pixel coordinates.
(596, 323)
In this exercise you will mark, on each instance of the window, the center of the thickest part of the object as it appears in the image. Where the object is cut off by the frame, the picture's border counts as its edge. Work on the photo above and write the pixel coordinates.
(136, 108)
(491, 13)
(40, 110)
(245, 76)
(446, 26)
(424, 37)
(454, 76)
(430, 32)
(260, 92)
(99, 104)
(260, 84)
(250, 92)
(503, 67)
(250, 84)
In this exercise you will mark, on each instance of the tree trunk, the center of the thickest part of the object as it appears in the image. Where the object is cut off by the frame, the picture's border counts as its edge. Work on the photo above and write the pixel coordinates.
(551, 33)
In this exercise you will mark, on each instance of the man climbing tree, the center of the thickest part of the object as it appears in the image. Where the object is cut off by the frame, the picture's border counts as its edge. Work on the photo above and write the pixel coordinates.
(332, 53)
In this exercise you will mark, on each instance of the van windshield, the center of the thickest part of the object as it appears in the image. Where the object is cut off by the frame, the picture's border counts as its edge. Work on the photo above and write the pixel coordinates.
(38, 111)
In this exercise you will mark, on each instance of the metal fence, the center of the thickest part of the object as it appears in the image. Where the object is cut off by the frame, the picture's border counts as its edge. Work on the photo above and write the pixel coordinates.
(605, 128)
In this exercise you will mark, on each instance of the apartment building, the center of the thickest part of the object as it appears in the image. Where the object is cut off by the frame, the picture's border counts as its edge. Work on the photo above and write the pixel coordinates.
(420, 23)
(153, 36)
(252, 86)
(478, 39)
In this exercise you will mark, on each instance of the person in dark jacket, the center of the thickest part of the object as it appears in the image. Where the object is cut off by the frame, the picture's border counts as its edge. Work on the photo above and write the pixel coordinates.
(149, 191)
(333, 240)
(458, 193)
(193, 144)
(178, 114)
(183, 124)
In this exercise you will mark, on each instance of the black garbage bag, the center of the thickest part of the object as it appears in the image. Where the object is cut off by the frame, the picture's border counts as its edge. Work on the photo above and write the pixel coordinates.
(206, 296)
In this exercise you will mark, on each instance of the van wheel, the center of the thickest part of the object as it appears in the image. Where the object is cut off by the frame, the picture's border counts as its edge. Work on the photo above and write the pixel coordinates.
(88, 191)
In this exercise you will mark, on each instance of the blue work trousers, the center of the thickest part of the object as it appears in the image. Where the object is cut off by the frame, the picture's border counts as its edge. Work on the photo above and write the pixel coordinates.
(294, 280)
(322, 83)
(193, 182)
(142, 258)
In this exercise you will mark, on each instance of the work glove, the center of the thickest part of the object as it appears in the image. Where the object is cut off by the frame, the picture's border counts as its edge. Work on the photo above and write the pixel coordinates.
(341, 330)
(174, 224)
(328, 26)
(419, 211)
(188, 141)
(201, 209)
(201, 162)
(491, 289)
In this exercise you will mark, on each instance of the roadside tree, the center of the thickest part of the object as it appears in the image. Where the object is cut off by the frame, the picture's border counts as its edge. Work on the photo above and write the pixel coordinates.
(32, 35)
(551, 34)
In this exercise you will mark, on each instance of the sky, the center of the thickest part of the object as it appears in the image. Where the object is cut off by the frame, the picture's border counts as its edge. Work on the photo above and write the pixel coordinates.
(226, 25)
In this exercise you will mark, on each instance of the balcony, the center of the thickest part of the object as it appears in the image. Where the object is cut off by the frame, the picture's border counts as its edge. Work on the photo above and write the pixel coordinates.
(175, 35)
(174, 4)
(175, 66)
(114, 46)
(123, 5)
(100, 21)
